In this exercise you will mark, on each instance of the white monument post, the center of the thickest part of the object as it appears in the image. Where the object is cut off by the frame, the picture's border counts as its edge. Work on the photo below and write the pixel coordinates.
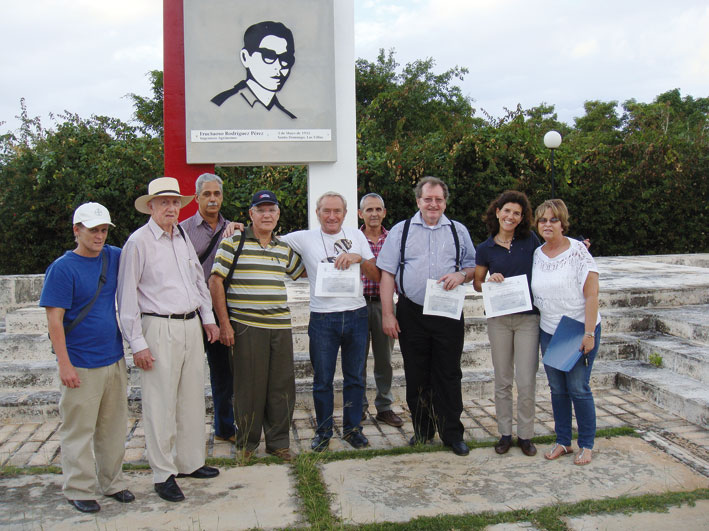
(340, 176)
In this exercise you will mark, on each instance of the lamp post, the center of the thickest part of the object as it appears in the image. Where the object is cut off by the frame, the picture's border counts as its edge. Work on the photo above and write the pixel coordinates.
(552, 140)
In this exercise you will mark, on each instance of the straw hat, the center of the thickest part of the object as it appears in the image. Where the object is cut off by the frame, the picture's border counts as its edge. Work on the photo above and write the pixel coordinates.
(162, 186)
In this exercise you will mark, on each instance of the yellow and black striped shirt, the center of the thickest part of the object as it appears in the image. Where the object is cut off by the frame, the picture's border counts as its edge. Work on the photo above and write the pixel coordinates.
(257, 293)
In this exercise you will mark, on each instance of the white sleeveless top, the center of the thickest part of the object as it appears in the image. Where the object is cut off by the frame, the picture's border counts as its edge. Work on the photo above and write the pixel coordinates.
(557, 284)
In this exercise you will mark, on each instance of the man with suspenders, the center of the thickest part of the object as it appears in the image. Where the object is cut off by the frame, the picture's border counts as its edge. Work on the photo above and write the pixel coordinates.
(428, 246)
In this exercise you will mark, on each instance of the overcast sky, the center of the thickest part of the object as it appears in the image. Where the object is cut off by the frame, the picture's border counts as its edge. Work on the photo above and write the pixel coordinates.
(86, 55)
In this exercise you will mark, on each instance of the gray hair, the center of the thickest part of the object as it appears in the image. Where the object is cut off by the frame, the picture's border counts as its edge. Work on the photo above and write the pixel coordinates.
(208, 178)
(433, 181)
(371, 194)
(330, 194)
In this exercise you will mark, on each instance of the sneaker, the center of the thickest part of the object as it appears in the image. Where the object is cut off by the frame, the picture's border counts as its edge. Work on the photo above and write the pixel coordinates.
(389, 417)
(320, 443)
(356, 439)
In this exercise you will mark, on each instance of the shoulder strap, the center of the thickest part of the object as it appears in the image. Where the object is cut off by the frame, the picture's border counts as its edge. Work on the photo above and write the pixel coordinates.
(182, 231)
(402, 253)
(208, 250)
(86, 309)
(227, 280)
(457, 246)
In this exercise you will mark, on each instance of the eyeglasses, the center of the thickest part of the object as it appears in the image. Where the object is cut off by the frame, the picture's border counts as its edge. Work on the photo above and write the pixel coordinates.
(286, 59)
(543, 221)
(430, 200)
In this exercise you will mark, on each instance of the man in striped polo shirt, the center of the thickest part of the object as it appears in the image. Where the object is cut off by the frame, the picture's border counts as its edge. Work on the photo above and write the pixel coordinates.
(255, 318)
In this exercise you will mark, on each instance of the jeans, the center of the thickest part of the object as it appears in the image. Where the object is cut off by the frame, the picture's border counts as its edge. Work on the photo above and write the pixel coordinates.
(220, 377)
(569, 388)
(328, 333)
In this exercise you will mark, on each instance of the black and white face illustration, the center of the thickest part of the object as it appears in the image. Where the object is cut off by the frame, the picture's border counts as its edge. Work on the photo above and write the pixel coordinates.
(270, 64)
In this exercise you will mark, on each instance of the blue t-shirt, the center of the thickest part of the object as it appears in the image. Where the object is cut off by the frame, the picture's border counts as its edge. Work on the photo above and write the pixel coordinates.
(510, 263)
(70, 283)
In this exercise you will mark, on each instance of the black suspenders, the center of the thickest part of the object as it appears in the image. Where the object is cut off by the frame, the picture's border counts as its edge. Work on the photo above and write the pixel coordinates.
(402, 252)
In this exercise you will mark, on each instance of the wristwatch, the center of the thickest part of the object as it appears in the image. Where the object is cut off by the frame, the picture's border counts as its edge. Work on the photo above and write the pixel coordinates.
(465, 275)
(590, 334)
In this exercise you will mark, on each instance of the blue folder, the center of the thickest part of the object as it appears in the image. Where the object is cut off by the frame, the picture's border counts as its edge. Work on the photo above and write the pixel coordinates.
(563, 352)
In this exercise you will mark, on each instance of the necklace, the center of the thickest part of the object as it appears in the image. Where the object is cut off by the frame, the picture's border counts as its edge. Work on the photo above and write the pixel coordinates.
(503, 242)
(322, 238)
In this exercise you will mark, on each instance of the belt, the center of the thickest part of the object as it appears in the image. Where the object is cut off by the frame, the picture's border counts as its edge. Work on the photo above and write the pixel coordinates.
(178, 316)
(372, 298)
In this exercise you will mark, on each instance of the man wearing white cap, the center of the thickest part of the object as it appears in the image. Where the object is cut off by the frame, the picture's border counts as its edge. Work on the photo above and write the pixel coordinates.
(79, 296)
(161, 296)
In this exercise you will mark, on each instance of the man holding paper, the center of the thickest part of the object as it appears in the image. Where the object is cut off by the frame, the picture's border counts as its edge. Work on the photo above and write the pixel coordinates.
(333, 257)
(431, 344)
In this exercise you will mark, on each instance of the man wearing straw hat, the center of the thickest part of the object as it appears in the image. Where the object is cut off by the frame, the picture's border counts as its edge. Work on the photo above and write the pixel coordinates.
(161, 298)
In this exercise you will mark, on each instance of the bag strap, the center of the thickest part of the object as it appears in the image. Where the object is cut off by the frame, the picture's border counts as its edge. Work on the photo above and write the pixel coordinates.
(215, 239)
(86, 309)
(402, 252)
(227, 280)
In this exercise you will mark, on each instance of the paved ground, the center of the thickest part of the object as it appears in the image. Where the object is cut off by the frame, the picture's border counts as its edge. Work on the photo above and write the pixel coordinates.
(37, 444)
(673, 456)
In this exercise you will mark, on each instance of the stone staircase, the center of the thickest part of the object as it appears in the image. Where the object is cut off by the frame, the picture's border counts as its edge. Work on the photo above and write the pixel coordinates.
(653, 307)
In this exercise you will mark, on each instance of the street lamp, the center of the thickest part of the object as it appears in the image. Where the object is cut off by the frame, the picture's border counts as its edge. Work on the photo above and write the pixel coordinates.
(552, 140)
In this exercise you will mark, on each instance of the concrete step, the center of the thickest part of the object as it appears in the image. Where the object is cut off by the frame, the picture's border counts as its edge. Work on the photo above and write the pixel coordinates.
(38, 404)
(676, 393)
(686, 358)
(687, 322)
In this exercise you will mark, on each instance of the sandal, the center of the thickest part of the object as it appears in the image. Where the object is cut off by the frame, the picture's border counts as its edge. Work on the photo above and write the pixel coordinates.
(583, 457)
(557, 451)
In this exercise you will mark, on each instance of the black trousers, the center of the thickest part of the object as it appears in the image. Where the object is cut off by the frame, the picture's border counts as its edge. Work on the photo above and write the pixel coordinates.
(431, 347)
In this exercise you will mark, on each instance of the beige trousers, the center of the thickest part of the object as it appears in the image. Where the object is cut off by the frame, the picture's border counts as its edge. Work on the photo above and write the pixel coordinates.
(514, 340)
(173, 396)
(93, 432)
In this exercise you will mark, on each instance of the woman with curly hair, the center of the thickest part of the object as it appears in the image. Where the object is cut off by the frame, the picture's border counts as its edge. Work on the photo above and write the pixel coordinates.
(514, 338)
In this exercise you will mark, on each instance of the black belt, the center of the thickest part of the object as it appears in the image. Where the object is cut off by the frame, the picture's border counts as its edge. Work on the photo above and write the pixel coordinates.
(179, 316)
(372, 298)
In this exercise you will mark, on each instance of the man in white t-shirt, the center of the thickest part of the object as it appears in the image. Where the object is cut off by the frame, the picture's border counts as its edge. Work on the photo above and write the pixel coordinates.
(337, 321)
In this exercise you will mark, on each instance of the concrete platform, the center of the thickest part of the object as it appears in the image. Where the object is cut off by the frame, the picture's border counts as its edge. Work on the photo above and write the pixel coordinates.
(398, 489)
(258, 496)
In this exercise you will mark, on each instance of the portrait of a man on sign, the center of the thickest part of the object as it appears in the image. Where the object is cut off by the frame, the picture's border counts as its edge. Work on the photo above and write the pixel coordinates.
(260, 82)
(268, 56)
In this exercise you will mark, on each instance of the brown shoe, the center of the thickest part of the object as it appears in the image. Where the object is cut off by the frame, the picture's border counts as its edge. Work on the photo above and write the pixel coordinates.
(527, 447)
(231, 439)
(283, 453)
(389, 417)
(503, 445)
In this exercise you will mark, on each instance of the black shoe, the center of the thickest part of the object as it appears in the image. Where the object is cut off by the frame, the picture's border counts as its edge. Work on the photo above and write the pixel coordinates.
(320, 443)
(86, 506)
(503, 445)
(527, 447)
(123, 496)
(356, 439)
(203, 472)
(459, 448)
(417, 440)
(169, 490)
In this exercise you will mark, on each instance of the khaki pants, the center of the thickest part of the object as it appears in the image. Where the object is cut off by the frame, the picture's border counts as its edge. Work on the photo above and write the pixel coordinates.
(514, 340)
(93, 432)
(173, 396)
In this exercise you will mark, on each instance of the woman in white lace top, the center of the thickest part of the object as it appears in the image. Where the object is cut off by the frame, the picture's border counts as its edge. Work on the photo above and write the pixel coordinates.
(565, 282)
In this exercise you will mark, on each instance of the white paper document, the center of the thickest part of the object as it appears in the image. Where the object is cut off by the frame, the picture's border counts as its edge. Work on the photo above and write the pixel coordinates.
(506, 297)
(444, 303)
(333, 282)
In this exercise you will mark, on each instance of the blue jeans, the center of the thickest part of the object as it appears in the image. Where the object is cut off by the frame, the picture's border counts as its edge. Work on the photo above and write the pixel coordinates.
(328, 332)
(569, 388)
(221, 379)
